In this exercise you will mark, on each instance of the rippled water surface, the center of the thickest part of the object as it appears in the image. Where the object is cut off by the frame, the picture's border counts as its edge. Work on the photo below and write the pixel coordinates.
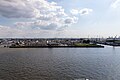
(60, 64)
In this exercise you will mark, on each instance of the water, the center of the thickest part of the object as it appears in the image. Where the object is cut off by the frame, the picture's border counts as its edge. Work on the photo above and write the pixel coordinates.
(60, 64)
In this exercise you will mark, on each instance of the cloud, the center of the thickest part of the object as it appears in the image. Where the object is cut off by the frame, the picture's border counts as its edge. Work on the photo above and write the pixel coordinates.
(43, 25)
(6, 31)
(84, 11)
(55, 0)
(74, 11)
(17, 9)
(115, 4)
(43, 15)
(9, 32)
(47, 25)
(30, 9)
(71, 20)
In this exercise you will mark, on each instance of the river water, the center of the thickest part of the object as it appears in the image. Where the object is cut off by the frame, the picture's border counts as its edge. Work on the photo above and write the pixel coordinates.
(60, 64)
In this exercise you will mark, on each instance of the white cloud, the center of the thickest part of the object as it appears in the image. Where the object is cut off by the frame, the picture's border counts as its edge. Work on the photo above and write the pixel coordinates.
(40, 18)
(84, 11)
(41, 25)
(17, 9)
(115, 4)
(74, 11)
(46, 15)
(71, 20)
(47, 25)
(30, 9)
(7, 31)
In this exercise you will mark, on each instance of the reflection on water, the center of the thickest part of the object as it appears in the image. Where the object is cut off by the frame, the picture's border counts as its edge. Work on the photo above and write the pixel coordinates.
(60, 64)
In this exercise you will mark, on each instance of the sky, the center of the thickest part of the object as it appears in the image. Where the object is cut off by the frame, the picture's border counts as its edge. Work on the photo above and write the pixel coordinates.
(59, 18)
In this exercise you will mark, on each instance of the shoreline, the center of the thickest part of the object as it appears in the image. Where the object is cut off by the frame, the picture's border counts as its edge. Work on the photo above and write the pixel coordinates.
(98, 46)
